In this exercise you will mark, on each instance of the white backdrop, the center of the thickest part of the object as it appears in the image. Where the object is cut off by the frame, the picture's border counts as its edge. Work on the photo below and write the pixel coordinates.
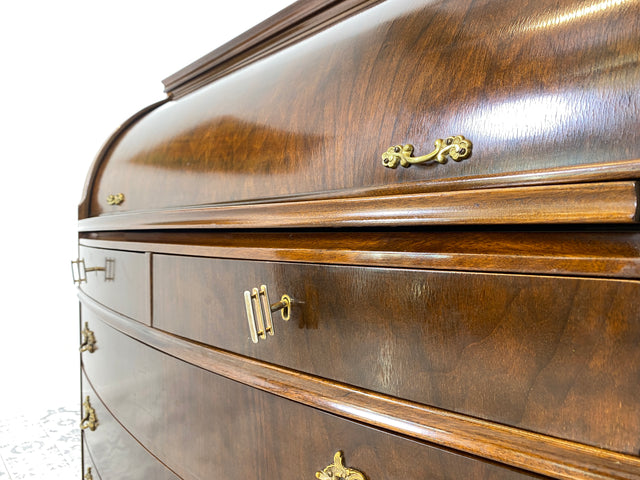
(71, 72)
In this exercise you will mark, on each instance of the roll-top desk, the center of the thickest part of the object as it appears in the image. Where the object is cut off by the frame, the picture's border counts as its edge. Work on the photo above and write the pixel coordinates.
(373, 240)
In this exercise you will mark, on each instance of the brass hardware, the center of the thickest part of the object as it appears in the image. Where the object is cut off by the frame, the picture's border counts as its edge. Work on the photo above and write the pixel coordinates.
(258, 309)
(116, 199)
(264, 297)
(261, 322)
(88, 476)
(88, 340)
(338, 470)
(89, 419)
(79, 270)
(457, 147)
(252, 322)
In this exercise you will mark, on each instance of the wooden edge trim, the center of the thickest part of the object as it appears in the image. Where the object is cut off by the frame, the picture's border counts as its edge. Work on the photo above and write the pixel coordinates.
(573, 174)
(85, 200)
(588, 265)
(291, 24)
(507, 445)
(591, 203)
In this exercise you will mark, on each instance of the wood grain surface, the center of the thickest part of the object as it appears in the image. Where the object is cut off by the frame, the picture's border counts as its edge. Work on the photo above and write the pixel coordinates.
(527, 351)
(537, 453)
(128, 290)
(270, 436)
(83, 206)
(592, 203)
(534, 85)
(552, 252)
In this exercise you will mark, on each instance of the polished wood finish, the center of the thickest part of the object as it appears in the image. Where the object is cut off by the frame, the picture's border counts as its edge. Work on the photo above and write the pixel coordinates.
(614, 202)
(112, 452)
(518, 80)
(539, 453)
(446, 339)
(129, 290)
(83, 206)
(472, 319)
(586, 253)
(257, 423)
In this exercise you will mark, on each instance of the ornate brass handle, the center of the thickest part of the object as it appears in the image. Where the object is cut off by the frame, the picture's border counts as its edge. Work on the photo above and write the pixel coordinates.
(261, 322)
(338, 470)
(79, 270)
(116, 199)
(457, 147)
(88, 340)
(89, 419)
(88, 476)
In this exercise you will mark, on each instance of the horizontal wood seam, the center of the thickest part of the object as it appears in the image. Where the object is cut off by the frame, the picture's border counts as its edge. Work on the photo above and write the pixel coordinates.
(508, 445)
(508, 263)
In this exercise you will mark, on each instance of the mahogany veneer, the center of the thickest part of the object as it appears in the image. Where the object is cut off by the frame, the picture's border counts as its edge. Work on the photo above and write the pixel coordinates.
(471, 319)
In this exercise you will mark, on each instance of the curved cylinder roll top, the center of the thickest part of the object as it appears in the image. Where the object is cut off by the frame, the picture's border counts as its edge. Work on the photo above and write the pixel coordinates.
(534, 86)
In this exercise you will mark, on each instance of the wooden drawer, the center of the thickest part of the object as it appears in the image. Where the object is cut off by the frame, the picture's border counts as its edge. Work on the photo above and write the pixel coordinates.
(123, 285)
(198, 423)
(540, 353)
(112, 451)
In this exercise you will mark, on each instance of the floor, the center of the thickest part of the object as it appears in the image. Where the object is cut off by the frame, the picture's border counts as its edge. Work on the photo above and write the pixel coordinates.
(44, 446)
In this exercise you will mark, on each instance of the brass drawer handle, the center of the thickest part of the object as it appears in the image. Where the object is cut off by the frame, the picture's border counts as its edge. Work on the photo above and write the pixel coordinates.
(456, 147)
(88, 476)
(88, 340)
(259, 309)
(338, 470)
(116, 199)
(89, 419)
(79, 270)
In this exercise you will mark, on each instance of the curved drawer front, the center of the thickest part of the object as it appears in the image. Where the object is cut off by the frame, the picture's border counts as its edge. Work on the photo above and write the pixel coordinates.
(317, 116)
(111, 451)
(118, 279)
(198, 423)
(539, 353)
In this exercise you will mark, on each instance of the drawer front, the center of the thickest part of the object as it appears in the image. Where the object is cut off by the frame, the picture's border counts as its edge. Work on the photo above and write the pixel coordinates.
(557, 356)
(199, 423)
(122, 283)
(111, 451)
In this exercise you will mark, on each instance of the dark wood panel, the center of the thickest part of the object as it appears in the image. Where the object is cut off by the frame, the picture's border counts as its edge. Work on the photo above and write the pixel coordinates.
(526, 351)
(539, 453)
(600, 254)
(534, 86)
(248, 433)
(610, 203)
(115, 454)
(124, 285)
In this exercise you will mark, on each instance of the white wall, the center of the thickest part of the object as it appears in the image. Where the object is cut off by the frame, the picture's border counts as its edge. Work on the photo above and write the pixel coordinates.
(71, 72)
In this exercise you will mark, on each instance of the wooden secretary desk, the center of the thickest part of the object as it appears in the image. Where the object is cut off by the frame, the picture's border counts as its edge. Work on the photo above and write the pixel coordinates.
(374, 240)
